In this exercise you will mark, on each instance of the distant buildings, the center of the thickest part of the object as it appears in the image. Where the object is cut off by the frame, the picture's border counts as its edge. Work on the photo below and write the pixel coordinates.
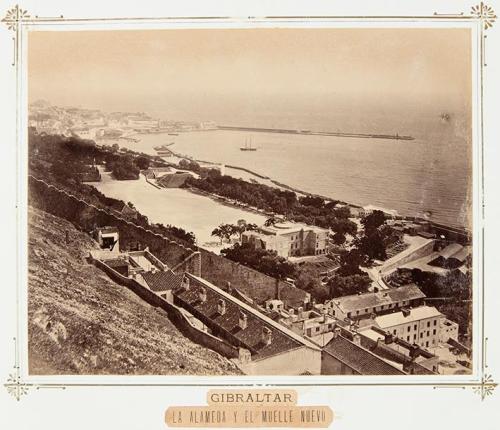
(289, 239)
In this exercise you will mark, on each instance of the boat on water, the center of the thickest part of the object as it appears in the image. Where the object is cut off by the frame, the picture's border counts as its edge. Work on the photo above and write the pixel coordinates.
(248, 147)
(173, 134)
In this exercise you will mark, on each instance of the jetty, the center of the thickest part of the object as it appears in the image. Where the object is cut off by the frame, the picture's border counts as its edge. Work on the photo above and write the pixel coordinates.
(316, 133)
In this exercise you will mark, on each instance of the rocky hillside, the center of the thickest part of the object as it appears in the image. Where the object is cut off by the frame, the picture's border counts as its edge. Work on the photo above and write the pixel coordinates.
(81, 322)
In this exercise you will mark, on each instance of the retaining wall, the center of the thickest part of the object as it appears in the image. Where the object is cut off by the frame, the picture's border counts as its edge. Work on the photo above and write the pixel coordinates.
(174, 314)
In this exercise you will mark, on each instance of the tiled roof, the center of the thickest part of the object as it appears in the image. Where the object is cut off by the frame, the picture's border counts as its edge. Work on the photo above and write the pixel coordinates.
(358, 358)
(250, 337)
(385, 297)
(162, 281)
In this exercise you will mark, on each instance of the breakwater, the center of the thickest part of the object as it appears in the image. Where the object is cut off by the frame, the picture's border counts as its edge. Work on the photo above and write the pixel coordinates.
(316, 133)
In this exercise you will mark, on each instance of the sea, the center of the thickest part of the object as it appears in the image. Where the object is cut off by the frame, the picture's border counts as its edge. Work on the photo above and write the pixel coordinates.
(430, 176)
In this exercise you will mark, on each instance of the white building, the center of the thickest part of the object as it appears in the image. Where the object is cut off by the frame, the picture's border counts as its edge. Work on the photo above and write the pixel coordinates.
(289, 239)
(421, 326)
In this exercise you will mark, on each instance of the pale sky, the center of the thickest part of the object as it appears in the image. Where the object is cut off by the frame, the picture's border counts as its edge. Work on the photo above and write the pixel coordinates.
(193, 73)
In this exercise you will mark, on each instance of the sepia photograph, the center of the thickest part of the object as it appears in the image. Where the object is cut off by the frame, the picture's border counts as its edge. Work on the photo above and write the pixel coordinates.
(250, 201)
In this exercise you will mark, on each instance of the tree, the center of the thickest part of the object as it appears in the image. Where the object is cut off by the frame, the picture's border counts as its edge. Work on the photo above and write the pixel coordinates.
(373, 221)
(142, 162)
(347, 285)
(338, 238)
(350, 262)
(373, 246)
(218, 233)
(263, 260)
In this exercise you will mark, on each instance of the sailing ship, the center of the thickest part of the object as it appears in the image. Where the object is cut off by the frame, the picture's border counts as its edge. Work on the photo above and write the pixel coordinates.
(248, 147)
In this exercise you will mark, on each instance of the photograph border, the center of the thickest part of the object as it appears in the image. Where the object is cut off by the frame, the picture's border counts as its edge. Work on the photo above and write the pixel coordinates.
(482, 16)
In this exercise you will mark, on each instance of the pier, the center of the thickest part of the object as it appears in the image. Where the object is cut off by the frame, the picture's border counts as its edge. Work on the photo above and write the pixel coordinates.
(316, 133)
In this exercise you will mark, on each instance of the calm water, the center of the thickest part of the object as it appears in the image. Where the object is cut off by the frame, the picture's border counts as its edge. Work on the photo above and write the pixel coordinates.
(430, 174)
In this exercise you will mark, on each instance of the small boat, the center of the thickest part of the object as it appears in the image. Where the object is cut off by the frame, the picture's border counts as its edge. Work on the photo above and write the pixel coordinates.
(173, 134)
(248, 147)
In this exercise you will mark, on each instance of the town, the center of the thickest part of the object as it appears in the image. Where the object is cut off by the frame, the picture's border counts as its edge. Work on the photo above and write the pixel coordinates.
(321, 288)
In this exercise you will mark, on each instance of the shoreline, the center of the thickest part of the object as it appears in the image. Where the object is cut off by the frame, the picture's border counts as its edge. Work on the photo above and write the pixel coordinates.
(412, 218)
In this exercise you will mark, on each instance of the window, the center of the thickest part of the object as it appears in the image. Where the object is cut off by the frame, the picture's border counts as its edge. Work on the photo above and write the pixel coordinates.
(415, 327)
(407, 338)
(435, 322)
(348, 315)
(428, 323)
(394, 332)
(421, 335)
(357, 312)
(434, 331)
(428, 333)
(427, 344)
(433, 341)
(409, 328)
(415, 337)
(366, 310)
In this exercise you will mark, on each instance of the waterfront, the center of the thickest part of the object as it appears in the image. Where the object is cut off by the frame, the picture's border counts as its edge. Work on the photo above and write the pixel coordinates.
(426, 177)
(175, 206)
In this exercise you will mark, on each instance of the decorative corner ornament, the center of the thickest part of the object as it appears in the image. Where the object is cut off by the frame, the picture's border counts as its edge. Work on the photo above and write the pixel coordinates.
(14, 16)
(15, 386)
(486, 387)
(484, 13)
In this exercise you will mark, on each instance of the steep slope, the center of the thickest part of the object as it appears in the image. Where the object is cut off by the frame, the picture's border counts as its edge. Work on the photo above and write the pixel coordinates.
(81, 322)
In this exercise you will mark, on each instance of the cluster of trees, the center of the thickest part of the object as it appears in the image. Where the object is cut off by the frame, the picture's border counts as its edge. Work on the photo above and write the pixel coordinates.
(308, 209)
(178, 232)
(453, 292)
(263, 260)
(226, 231)
(347, 285)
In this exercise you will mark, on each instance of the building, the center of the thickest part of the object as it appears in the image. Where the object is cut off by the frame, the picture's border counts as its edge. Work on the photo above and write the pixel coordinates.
(420, 326)
(359, 306)
(267, 347)
(448, 330)
(289, 239)
(452, 256)
(344, 356)
(108, 238)
(162, 283)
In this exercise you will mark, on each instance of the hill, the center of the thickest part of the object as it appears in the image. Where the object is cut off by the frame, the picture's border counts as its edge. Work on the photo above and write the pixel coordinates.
(81, 322)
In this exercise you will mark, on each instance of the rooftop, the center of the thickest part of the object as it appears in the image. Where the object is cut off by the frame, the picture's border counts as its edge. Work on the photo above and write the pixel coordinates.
(368, 300)
(162, 281)
(415, 314)
(250, 337)
(358, 358)
(290, 227)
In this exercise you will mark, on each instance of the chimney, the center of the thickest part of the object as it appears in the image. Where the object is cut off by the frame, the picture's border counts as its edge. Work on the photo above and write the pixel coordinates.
(243, 320)
(221, 307)
(300, 311)
(356, 339)
(267, 335)
(388, 339)
(336, 332)
(406, 312)
(202, 294)
(185, 283)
